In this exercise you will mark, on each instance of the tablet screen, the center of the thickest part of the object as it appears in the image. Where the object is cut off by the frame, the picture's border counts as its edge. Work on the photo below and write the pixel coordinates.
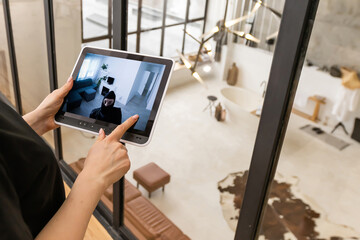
(111, 86)
(113, 89)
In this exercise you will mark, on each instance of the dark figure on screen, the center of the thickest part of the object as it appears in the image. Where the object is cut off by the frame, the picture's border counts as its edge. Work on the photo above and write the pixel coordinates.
(107, 112)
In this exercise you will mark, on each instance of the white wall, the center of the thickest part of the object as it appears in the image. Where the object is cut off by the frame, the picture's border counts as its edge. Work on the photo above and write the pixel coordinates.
(138, 80)
(153, 93)
(124, 71)
(254, 67)
(145, 77)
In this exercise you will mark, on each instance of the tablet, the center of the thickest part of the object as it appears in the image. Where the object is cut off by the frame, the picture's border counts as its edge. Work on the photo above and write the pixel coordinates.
(110, 86)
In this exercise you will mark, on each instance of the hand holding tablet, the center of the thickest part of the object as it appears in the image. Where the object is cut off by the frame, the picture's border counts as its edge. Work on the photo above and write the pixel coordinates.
(110, 86)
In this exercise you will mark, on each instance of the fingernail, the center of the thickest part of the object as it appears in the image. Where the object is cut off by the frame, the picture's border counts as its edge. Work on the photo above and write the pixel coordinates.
(69, 80)
(136, 116)
(101, 131)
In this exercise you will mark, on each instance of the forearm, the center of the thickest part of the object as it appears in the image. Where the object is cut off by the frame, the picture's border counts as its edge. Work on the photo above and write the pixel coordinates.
(71, 220)
(36, 122)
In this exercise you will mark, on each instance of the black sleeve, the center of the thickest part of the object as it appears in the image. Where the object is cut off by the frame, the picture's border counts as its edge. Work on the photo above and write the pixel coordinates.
(12, 225)
(94, 113)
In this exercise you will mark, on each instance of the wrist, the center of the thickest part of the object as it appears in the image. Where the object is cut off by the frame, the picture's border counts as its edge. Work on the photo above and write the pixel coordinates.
(39, 121)
(94, 183)
(34, 120)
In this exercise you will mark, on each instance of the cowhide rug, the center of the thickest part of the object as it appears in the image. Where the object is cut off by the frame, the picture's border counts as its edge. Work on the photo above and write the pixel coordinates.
(287, 215)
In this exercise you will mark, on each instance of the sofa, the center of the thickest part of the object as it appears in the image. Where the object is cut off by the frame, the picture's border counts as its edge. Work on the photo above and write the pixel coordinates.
(82, 89)
(141, 216)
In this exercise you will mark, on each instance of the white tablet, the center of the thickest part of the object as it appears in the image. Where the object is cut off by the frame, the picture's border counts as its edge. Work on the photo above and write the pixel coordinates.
(110, 86)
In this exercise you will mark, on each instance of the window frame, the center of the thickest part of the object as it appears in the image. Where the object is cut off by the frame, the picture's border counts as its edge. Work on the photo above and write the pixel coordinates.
(140, 30)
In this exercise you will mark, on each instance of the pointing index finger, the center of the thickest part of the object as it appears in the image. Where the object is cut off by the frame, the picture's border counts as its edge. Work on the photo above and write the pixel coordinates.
(121, 129)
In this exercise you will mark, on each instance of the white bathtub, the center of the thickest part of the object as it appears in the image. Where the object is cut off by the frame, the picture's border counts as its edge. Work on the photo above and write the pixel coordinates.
(239, 100)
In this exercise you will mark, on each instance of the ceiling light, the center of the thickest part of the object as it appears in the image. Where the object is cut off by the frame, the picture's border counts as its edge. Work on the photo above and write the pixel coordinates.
(207, 68)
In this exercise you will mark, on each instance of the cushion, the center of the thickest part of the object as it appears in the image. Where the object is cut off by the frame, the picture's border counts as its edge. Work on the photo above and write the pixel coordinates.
(82, 83)
(151, 176)
(150, 217)
(73, 100)
(89, 94)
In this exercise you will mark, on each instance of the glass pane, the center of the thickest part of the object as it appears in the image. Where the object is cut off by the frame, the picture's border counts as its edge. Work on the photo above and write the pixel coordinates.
(72, 139)
(131, 44)
(204, 157)
(101, 44)
(67, 36)
(132, 15)
(197, 9)
(151, 14)
(176, 11)
(6, 83)
(195, 29)
(95, 17)
(173, 40)
(150, 42)
(30, 45)
(315, 192)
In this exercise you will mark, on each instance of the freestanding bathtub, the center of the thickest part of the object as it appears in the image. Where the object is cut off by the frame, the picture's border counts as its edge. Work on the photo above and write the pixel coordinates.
(239, 100)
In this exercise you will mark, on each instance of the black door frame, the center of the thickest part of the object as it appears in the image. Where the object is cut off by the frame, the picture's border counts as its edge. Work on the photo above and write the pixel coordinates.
(295, 29)
(294, 34)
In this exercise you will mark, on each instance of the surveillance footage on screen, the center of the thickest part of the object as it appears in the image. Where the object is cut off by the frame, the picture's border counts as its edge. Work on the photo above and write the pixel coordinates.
(112, 89)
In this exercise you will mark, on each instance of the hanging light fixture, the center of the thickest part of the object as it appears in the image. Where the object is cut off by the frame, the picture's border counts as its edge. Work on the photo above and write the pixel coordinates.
(189, 66)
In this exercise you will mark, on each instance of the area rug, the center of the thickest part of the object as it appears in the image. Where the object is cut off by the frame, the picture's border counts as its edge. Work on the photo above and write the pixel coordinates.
(325, 137)
(288, 214)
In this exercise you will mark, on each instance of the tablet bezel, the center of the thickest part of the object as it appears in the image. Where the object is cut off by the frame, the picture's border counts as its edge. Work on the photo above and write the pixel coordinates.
(132, 136)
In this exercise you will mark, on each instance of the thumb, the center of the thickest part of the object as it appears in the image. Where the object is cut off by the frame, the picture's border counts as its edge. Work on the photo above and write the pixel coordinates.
(101, 135)
(64, 90)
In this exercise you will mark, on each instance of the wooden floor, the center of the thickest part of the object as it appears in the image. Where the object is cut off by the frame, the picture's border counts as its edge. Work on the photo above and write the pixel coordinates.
(95, 230)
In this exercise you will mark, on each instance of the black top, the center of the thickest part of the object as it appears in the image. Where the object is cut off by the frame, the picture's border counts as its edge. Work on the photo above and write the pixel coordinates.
(31, 186)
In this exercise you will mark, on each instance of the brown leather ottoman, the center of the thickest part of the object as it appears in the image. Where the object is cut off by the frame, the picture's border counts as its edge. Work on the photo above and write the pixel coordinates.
(151, 177)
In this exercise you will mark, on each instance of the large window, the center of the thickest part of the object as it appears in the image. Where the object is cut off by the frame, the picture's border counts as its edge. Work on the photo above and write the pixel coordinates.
(154, 26)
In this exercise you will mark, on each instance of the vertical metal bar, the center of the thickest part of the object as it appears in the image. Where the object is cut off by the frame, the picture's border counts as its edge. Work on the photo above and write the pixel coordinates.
(118, 204)
(51, 53)
(120, 16)
(81, 21)
(198, 56)
(163, 28)
(138, 28)
(295, 30)
(205, 15)
(109, 21)
(12, 56)
(186, 22)
(226, 9)
(120, 24)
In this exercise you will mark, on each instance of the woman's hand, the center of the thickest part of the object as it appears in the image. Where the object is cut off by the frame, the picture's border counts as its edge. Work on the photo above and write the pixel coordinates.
(107, 160)
(105, 164)
(42, 118)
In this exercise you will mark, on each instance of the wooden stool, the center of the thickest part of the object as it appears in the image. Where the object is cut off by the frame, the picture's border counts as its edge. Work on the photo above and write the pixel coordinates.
(151, 177)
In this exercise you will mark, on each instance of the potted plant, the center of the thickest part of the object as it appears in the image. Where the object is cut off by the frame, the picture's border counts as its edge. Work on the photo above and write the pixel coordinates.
(104, 66)
(99, 81)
